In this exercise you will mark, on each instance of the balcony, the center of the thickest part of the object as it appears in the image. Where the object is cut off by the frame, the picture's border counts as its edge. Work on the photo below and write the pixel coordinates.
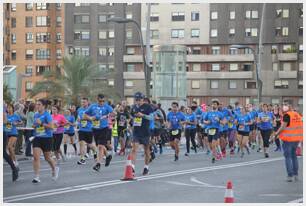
(133, 75)
(286, 56)
(221, 58)
(132, 58)
(287, 74)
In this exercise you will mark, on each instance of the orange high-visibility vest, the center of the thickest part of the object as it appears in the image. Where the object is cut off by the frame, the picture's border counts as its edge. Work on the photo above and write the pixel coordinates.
(294, 132)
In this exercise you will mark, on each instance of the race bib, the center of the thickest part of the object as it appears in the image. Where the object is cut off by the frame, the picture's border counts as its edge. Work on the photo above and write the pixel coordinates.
(8, 126)
(230, 125)
(241, 127)
(96, 123)
(265, 119)
(83, 123)
(121, 123)
(67, 126)
(54, 129)
(137, 122)
(175, 132)
(40, 130)
(212, 131)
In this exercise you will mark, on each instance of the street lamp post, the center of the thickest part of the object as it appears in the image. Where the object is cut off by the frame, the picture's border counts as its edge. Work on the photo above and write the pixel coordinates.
(145, 65)
(258, 80)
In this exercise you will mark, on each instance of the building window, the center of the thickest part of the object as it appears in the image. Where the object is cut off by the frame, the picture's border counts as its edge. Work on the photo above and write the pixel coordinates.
(111, 51)
(14, 54)
(286, 66)
(154, 34)
(250, 32)
(129, 15)
(195, 33)
(285, 31)
(102, 68)
(274, 49)
(232, 32)
(43, 37)
(29, 6)
(154, 16)
(232, 101)
(81, 51)
(300, 85)
(196, 67)
(29, 70)
(13, 38)
(111, 34)
(130, 50)
(300, 31)
(102, 18)
(214, 15)
(58, 37)
(195, 16)
(129, 83)
(275, 101)
(213, 33)
(233, 67)
(42, 54)
(28, 86)
(102, 51)
(301, 49)
(58, 6)
(29, 21)
(102, 34)
(300, 66)
(42, 21)
(111, 67)
(232, 84)
(215, 50)
(247, 67)
(29, 37)
(284, 13)
(177, 33)
(111, 82)
(281, 84)
(196, 50)
(13, 6)
(29, 54)
(287, 48)
(58, 21)
(42, 6)
(248, 51)
(251, 14)
(232, 15)
(301, 12)
(233, 51)
(278, 31)
(195, 84)
(58, 53)
(178, 16)
(81, 35)
(13, 22)
(81, 19)
(250, 85)
(215, 67)
(41, 69)
(130, 67)
(275, 66)
(214, 84)
(129, 34)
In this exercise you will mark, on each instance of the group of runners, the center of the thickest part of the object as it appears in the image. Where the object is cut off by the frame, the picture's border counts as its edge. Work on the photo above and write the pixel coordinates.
(101, 129)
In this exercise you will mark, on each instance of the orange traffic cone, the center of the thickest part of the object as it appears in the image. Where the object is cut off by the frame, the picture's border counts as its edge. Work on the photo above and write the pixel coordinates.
(299, 150)
(229, 194)
(128, 172)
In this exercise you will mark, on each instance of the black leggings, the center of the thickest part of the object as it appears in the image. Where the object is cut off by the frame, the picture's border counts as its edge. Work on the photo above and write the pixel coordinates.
(6, 156)
(57, 141)
(190, 135)
(266, 137)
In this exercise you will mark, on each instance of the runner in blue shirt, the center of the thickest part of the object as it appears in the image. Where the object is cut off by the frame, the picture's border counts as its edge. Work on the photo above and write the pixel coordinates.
(232, 129)
(253, 114)
(190, 130)
(175, 121)
(213, 120)
(198, 112)
(224, 130)
(265, 119)
(243, 126)
(69, 131)
(98, 114)
(10, 128)
(85, 132)
(204, 130)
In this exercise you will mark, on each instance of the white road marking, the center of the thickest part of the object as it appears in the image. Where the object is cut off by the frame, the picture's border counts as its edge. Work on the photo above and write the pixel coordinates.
(281, 195)
(143, 178)
(193, 179)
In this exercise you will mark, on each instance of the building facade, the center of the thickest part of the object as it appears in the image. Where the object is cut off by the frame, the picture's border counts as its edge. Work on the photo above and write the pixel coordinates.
(33, 40)
(214, 69)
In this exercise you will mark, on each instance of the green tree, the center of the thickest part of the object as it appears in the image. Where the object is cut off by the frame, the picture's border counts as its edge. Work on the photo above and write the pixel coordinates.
(7, 96)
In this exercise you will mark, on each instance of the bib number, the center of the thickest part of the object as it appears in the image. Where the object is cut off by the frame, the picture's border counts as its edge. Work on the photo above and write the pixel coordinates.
(83, 123)
(175, 132)
(241, 127)
(121, 123)
(40, 130)
(212, 131)
(230, 125)
(8, 126)
(67, 126)
(96, 123)
(137, 122)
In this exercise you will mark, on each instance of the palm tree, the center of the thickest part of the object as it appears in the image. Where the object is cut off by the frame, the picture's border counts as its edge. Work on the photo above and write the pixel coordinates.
(68, 84)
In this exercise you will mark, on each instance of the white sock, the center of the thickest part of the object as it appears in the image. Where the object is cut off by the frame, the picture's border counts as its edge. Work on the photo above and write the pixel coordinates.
(146, 166)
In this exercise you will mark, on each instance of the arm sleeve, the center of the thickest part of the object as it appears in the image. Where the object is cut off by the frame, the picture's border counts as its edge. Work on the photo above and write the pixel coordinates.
(49, 119)
(286, 118)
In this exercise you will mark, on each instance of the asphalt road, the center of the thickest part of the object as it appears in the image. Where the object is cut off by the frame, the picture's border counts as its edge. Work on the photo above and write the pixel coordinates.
(192, 179)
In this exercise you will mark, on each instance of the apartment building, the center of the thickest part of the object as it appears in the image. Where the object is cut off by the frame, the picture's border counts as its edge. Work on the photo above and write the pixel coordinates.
(214, 69)
(33, 40)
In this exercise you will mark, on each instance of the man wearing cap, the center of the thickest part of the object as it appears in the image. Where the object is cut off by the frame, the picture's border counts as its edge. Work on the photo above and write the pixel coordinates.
(291, 133)
(141, 113)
